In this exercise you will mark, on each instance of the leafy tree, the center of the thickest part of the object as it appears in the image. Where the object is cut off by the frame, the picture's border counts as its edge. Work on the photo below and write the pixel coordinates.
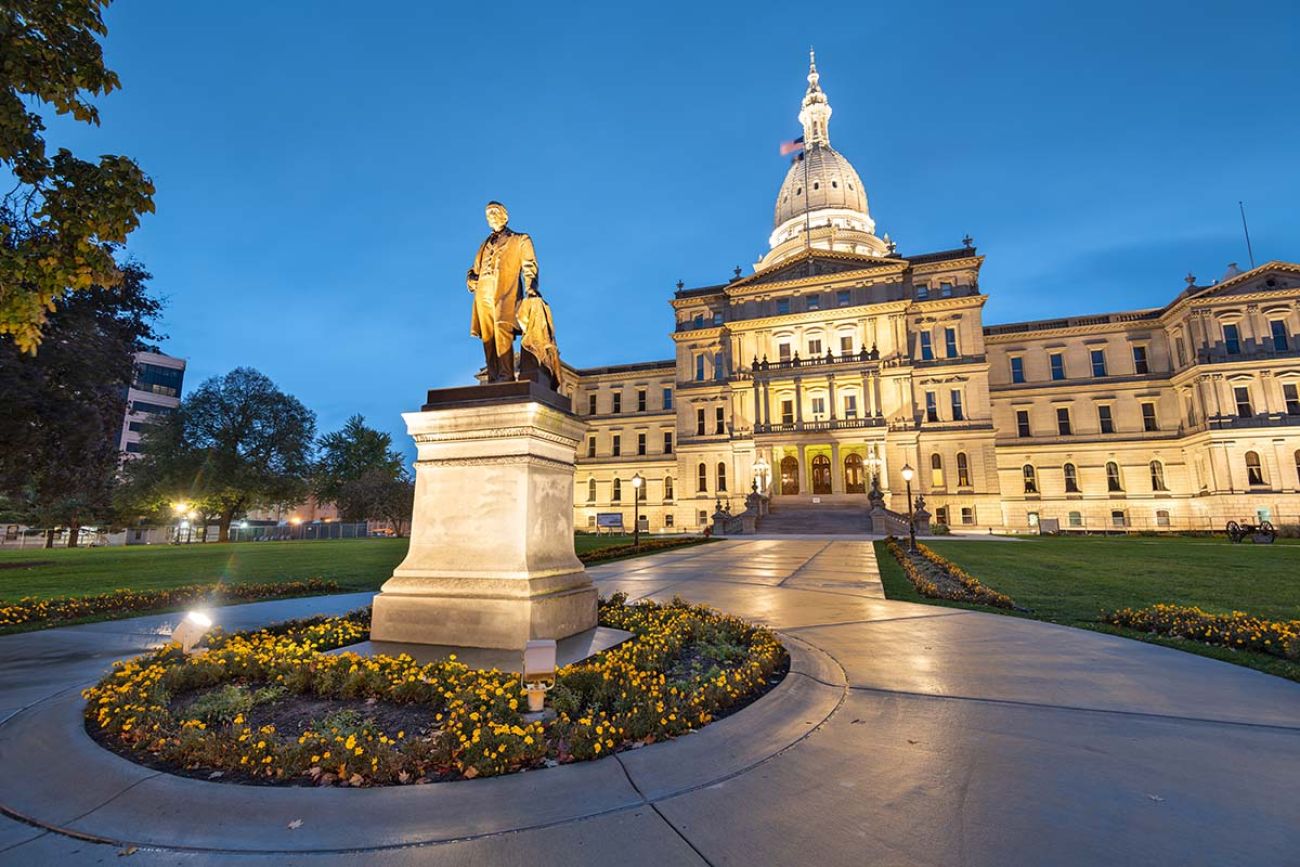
(379, 495)
(63, 215)
(349, 455)
(236, 442)
(63, 408)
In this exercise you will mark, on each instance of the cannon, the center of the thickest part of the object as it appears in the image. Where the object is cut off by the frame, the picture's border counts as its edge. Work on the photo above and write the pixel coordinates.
(1261, 533)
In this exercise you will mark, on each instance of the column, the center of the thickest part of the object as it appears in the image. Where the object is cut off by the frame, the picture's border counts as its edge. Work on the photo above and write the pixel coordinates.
(830, 380)
(758, 416)
(805, 483)
(798, 407)
(868, 397)
(837, 481)
(767, 402)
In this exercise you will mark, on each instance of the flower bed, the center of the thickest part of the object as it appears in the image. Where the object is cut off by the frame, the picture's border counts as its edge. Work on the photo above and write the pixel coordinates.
(1237, 630)
(33, 610)
(937, 577)
(615, 552)
(271, 706)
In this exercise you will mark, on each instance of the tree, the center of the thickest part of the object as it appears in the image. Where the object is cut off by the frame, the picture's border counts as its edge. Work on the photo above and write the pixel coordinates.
(236, 442)
(379, 495)
(63, 408)
(348, 455)
(61, 220)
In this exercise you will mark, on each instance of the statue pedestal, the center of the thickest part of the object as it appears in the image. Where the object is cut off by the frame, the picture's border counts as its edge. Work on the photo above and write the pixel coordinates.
(491, 562)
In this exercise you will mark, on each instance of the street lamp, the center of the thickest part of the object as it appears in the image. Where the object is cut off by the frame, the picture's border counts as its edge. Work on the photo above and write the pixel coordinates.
(760, 474)
(637, 483)
(180, 508)
(911, 513)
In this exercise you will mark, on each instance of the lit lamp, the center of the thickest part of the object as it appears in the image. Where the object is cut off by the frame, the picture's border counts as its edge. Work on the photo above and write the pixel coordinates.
(761, 468)
(191, 630)
(180, 508)
(911, 513)
(637, 483)
(539, 672)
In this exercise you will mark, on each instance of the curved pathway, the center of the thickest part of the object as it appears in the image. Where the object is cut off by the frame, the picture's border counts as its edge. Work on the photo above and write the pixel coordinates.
(905, 734)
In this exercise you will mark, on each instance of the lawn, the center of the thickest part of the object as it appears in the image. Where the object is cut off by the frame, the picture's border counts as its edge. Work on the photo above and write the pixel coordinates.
(1073, 580)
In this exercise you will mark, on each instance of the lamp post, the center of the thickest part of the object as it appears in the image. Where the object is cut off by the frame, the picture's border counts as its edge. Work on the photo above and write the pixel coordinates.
(911, 513)
(180, 509)
(761, 468)
(637, 483)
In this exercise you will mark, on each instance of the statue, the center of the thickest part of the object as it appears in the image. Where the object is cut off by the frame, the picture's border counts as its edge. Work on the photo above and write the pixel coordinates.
(539, 357)
(504, 261)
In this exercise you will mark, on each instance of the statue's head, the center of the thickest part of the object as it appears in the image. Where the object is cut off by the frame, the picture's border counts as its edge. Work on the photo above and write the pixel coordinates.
(497, 215)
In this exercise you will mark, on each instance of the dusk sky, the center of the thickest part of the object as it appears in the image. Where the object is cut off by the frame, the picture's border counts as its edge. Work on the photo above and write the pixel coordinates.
(322, 166)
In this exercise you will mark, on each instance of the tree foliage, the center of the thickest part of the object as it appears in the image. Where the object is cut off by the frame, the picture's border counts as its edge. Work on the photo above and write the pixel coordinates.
(347, 456)
(237, 442)
(63, 408)
(378, 495)
(63, 215)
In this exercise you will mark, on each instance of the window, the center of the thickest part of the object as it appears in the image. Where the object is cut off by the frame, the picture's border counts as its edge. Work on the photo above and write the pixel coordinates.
(963, 470)
(1281, 340)
(591, 404)
(702, 478)
(1149, 417)
(668, 489)
(719, 367)
(941, 515)
(782, 306)
(1118, 519)
(640, 400)
(1113, 483)
(814, 302)
(846, 345)
(618, 403)
(717, 318)
(719, 420)
(1063, 421)
(616, 448)
(818, 407)
(591, 447)
(1071, 479)
(936, 471)
(1022, 423)
(814, 348)
(842, 298)
(668, 520)
(1231, 338)
(591, 490)
(967, 515)
(1242, 396)
(1098, 362)
(137, 426)
(1140, 365)
(134, 448)
(850, 406)
(668, 398)
(1254, 470)
(640, 443)
(591, 520)
(641, 492)
(1297, 462)
(722, 476)
(1162, 518)
(1017, 369)
(149, 408)
(922, 291)
(703, 517)
(945, 289)
(699, 368)
(954, 397)
(1291, 394)
(668, 442)
(1158, 476)
(787, 412)
(927, 350)
(950, 342)
(1104, 419)
(158, 379)
(1057, 362)
(783, 351)
(617, 495)
(1180, 350)
(1031, 479)
(931, 406)
(1074, 519)
(699, 422)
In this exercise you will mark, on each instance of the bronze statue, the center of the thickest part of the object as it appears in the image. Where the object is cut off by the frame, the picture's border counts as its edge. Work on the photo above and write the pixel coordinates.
(505, 263)
(539, 357)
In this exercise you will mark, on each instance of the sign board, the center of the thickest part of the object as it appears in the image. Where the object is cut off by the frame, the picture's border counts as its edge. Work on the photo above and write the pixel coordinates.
(1049, 526)
(609, 520)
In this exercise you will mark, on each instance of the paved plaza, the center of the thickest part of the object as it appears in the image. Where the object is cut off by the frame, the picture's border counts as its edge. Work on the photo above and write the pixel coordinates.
(905, 734)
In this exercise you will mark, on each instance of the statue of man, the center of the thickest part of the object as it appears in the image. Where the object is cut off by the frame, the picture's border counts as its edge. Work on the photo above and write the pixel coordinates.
(504, 266)
(539, 357)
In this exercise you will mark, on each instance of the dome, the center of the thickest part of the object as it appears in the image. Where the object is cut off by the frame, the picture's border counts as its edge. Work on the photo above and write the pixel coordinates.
(822, 178)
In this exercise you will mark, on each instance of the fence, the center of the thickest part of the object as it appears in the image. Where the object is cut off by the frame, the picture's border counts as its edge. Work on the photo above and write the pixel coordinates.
(17, 537)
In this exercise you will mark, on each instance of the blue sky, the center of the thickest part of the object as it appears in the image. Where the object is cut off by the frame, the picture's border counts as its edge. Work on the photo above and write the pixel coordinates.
(322, 166)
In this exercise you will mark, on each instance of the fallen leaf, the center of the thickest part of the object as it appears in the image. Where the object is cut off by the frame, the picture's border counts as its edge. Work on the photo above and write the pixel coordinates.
(857, 722)
(404, 777)
(129, 850)
(471, 772)
(356, 780)
(1156, 798)
(215, 774)
(295, 824)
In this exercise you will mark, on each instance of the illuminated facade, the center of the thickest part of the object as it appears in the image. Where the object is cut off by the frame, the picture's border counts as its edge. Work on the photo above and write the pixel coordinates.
(839, 360)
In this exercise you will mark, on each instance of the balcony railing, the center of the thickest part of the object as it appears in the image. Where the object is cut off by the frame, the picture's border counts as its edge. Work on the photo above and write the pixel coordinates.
(1264, 419)
(821, 425)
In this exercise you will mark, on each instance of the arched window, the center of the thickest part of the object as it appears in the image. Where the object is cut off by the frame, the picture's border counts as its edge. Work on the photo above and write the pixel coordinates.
(722, 476)
(642, 491)
(1162, 518)
(668, 489)
(591, 490)
(702, 478)
(789, 475)
(821, 474)
(1254, 470)
(1071, 479)
(1031, 479)
(617, 495)
(1112, 477)
(855, 480)
(936, 470)
(1158, 476)
(963, 470)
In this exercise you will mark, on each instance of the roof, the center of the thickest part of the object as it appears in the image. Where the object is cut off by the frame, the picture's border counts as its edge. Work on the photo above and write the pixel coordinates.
(626, 368)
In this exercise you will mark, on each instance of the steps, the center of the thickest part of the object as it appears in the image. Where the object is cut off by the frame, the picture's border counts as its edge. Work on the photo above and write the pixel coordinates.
(815, 519)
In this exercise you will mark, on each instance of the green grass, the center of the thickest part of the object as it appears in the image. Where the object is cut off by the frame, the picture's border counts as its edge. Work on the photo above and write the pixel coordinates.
(1073, 580)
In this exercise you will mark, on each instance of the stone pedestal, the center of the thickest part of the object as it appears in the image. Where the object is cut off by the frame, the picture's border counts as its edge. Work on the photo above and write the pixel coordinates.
(491, 562)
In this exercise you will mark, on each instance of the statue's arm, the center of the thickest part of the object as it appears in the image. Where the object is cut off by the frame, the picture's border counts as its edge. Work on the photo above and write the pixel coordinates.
(528, 262)
(471, 277)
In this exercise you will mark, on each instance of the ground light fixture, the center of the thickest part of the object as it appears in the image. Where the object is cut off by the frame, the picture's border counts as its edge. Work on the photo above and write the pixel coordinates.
(911, 513)
(539, 672)
(191, 630)
(637, 483)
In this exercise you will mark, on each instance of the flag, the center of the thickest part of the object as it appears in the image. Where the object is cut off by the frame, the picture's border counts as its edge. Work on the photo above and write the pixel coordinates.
(790, 147)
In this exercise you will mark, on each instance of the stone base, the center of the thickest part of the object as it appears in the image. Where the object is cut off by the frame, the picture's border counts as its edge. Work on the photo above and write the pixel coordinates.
(575, 648)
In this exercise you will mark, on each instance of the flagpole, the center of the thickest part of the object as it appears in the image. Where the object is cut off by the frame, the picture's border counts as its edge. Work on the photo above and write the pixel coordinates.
(1249, 251)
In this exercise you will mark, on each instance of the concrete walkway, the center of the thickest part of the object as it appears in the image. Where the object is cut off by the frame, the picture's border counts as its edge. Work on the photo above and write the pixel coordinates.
(906, 734)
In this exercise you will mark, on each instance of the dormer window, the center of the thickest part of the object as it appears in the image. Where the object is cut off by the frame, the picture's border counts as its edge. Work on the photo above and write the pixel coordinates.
(817, 185)
(835, 185)
(799, 192)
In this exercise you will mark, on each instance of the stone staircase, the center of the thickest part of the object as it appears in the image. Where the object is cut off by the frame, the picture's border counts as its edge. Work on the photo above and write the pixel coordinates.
(815, 518)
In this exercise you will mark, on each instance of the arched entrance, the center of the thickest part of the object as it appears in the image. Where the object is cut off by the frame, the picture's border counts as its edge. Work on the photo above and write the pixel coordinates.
(821, 474)
(789, 475)
(855, 480)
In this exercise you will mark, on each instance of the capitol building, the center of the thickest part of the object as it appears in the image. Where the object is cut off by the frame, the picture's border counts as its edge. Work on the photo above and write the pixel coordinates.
(840, 360)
